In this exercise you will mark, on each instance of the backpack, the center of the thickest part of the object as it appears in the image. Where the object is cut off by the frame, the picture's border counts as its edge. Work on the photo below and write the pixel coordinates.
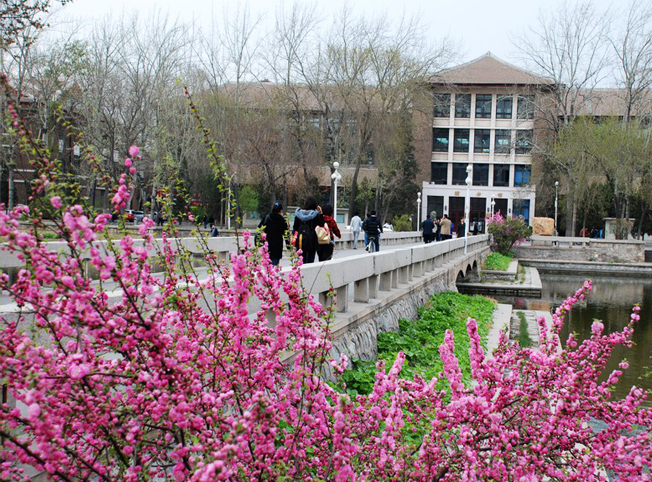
(303, 237)
(323, 234)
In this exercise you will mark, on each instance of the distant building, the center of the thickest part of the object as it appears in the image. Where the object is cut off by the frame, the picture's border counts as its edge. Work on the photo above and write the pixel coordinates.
(483, 115)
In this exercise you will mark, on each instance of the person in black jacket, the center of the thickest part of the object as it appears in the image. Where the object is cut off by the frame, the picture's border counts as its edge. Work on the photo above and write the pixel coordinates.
(373, 228)
(274, 226)
(306, 219)
(428, 230)
(461, 229)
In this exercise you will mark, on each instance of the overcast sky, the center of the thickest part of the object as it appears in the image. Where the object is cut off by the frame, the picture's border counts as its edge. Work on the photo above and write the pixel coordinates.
(477, 25)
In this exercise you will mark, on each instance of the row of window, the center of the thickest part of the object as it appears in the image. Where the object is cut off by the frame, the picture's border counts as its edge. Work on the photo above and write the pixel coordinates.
(483, 106)
(522, 172)
(503, 142)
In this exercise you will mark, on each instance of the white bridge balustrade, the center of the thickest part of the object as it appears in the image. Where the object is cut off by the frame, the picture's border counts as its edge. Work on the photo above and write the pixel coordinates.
(369, 275)
(388, 238)
(221, 246)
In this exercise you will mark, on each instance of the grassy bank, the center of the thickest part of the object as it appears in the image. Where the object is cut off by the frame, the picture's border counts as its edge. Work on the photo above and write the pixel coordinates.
(420, 340)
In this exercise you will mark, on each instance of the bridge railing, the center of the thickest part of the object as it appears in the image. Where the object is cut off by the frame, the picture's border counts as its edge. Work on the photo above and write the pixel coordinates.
(388, 238)
(222, 246)
(578, 242)
(367, 274)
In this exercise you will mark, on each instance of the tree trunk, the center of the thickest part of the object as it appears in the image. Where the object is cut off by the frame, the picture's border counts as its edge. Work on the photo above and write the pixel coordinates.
(639, 231)
(570, 208)
(11, 188)
(92, 192)
(354, 189)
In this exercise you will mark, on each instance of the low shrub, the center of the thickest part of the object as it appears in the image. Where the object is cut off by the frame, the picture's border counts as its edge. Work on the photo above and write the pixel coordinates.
(497, 262)
(402, 223)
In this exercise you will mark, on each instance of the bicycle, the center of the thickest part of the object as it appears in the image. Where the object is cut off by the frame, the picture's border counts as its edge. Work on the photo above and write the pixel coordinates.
(372, 246)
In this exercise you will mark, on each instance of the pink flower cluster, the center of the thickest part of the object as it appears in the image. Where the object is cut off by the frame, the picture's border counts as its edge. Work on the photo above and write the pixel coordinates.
(145, 377)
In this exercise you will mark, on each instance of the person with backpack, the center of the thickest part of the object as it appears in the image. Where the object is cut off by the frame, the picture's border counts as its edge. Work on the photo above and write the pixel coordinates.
(304, 237)
(446, 228)
(274, 226)
(372, 228)
(325, 251)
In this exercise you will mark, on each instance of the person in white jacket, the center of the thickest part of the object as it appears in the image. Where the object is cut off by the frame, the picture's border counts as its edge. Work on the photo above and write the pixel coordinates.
(356, 227)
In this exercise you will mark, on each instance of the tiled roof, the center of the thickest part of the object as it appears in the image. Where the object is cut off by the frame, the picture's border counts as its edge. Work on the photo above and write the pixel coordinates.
(488, 70)
(270, 94)
(611, 102)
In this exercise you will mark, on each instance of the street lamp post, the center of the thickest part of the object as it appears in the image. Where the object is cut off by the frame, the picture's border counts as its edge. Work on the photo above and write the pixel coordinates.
(228, 204)
(556, 187)
(336, 176)
(467, 204)
(493, 206)
(418, 210)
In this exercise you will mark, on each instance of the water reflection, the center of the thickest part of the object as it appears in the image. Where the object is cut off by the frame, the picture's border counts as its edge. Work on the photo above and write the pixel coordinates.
(611, 302)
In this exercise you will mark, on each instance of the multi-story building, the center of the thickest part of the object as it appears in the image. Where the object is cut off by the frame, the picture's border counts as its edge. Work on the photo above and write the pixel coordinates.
(483, 117)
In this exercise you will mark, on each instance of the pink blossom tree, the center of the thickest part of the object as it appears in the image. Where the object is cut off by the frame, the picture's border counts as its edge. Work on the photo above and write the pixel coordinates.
(507, 232)
(138, 376)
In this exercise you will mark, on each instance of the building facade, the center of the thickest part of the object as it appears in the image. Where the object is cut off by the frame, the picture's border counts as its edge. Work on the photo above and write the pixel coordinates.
(483, 117)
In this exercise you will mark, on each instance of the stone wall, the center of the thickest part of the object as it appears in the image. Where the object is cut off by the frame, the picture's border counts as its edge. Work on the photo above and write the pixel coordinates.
(357, 338)
(593, 251)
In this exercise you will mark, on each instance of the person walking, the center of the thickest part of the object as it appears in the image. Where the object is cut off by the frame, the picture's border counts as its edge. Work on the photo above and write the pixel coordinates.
(372, 228)
(214, 231)
(428, 230)
(445, 228)
(304, 237)
(461, 228)
(438, 229)
(325, 251)
(275, 226)
(356, 227)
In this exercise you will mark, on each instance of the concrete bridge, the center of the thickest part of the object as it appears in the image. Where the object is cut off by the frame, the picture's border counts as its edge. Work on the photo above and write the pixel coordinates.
(373, 290)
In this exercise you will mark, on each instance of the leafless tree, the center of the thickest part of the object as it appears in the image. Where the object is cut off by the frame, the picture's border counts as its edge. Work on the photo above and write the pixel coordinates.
(16, 16)
(15, 60)
(632, 46)
(567, 46)
(371, 71)
(133, 68)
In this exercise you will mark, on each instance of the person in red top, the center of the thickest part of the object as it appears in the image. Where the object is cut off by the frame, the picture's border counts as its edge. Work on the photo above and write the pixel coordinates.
(325, 251)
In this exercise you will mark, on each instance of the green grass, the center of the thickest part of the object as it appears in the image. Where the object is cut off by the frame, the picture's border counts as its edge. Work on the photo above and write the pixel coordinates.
(497, 262)
(420, 341)
(523, 336)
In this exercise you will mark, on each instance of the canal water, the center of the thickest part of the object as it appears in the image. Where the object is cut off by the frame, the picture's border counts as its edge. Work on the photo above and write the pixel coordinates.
(610, 301)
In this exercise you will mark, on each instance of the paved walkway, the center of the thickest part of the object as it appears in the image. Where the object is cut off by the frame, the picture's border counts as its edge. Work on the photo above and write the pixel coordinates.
(347, 253)
(532, 324)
